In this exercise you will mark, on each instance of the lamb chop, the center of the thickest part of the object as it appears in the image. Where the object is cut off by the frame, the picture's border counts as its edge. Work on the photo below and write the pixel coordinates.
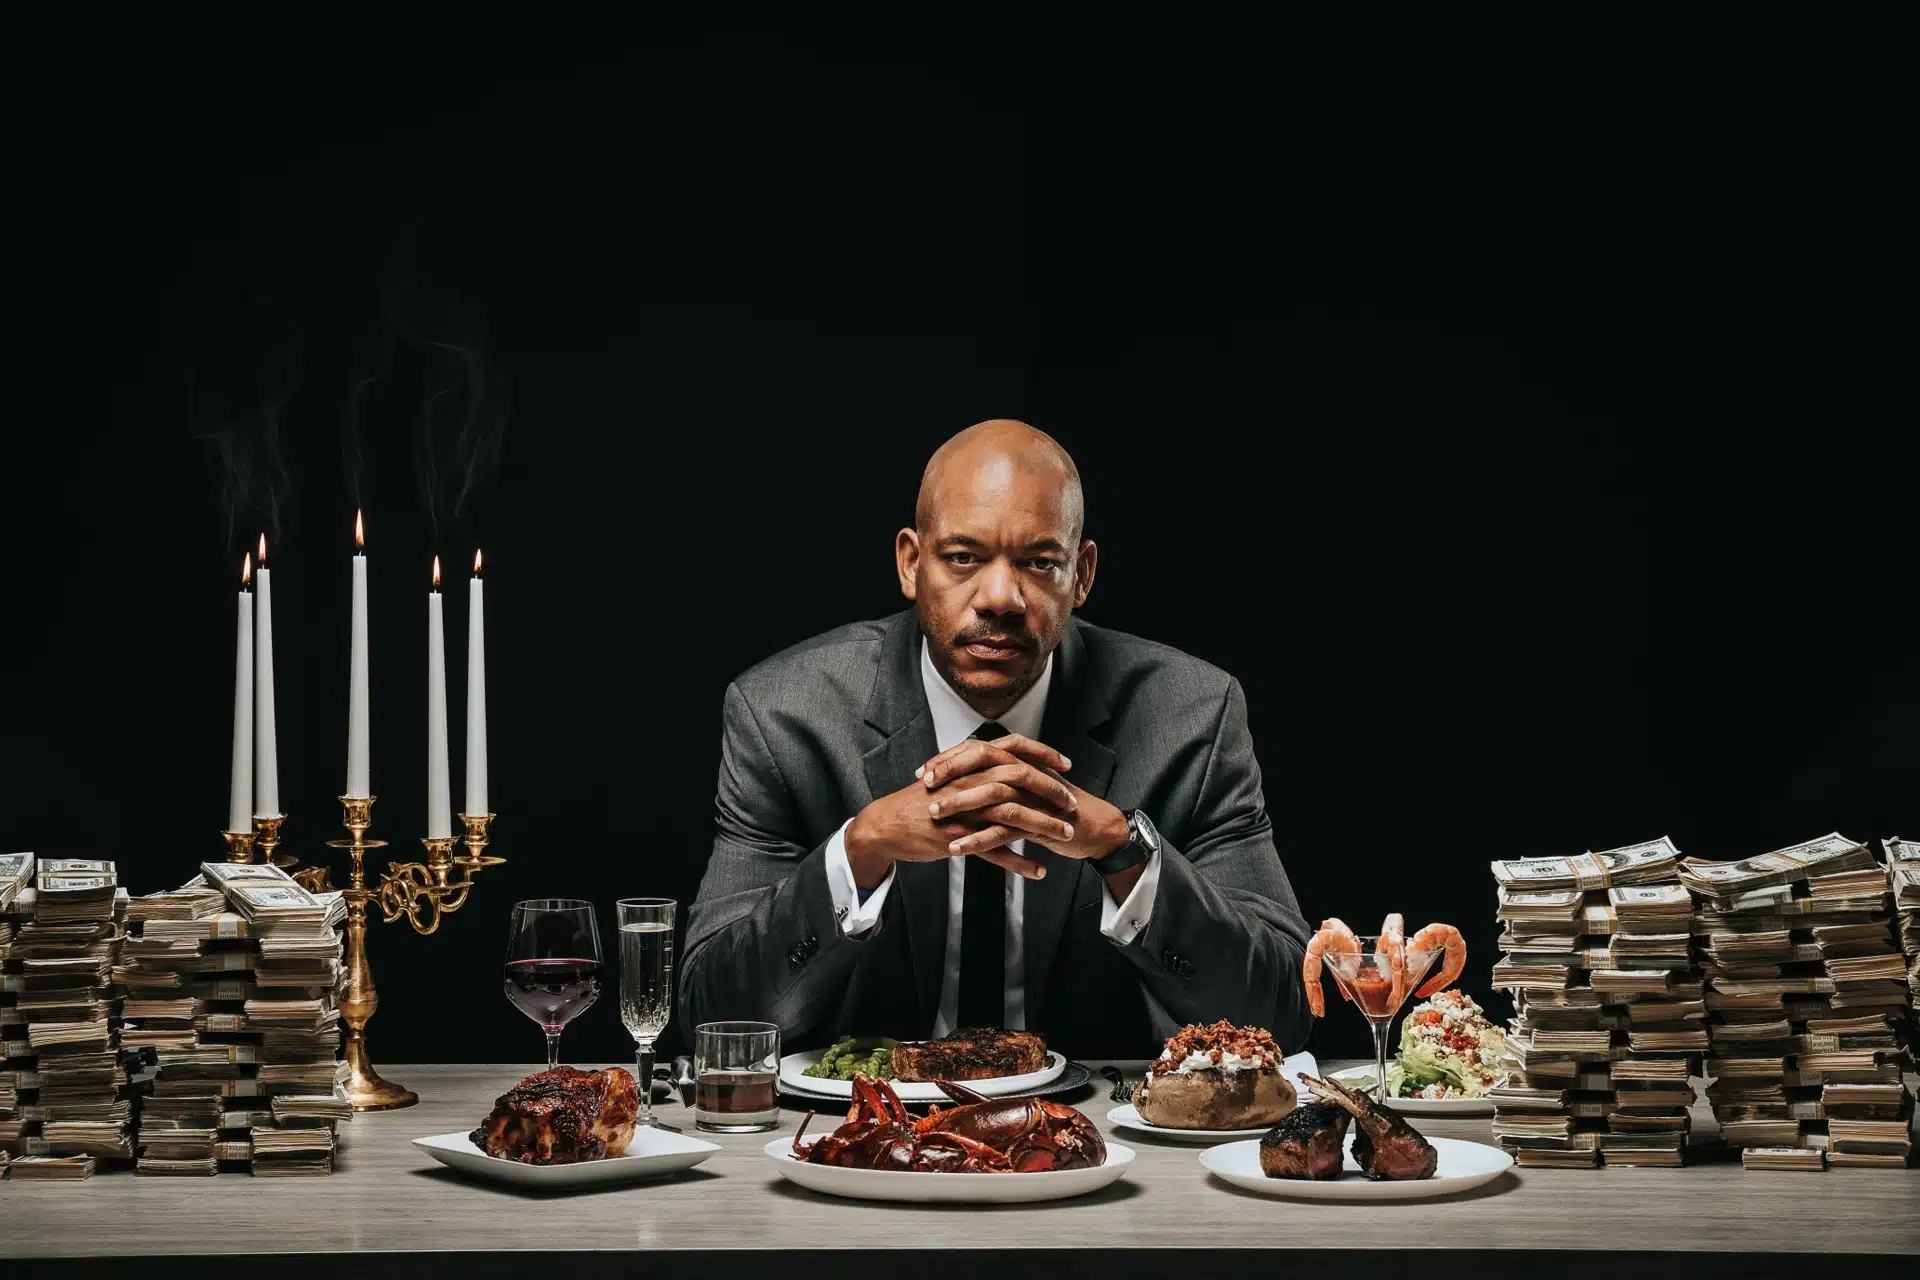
(1385, 1146)
(563, 1116)
(1309, 1143)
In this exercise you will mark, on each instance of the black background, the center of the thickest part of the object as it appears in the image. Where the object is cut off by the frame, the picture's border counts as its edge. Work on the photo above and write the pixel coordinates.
(1519, 404)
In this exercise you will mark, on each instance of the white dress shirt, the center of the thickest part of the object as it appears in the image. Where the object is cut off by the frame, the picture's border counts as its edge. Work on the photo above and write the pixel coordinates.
(953, 723)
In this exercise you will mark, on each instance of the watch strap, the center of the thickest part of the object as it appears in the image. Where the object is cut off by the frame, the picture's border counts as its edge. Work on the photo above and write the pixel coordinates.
(1138, 848)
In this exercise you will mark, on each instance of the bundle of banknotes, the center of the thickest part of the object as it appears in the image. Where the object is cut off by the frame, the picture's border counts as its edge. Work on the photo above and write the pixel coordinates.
(232, 984)
(1903, 871)
(1808, 999)
(1610, 1014)
(65, 1096)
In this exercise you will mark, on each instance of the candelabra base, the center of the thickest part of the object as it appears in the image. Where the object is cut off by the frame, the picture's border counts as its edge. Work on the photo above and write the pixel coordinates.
(365, 1088)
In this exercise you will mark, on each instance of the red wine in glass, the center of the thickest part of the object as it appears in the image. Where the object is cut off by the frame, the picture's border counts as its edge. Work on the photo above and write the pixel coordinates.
(552, 971)
(551, 992)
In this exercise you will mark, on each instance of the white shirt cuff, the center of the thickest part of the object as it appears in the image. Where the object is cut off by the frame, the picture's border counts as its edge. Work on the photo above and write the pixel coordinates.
(855, 916)
(1122, 922)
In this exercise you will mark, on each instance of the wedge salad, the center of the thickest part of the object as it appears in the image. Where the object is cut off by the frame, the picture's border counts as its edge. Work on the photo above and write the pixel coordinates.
(1448, 1049)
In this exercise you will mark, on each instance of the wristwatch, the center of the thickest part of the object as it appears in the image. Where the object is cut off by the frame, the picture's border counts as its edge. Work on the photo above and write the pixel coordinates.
(1142, 843)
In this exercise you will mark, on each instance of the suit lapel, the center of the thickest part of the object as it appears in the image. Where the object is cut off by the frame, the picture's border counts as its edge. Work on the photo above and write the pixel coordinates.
(1076, 707)
(898, 709)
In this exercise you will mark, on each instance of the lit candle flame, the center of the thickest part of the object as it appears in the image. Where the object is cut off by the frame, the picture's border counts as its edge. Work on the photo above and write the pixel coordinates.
(263, 551)
(436, 571)
(359, 530)
(476, 560)
(246, 569)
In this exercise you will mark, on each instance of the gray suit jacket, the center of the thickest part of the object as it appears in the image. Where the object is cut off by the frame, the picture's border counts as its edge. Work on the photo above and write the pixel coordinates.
(815, 733)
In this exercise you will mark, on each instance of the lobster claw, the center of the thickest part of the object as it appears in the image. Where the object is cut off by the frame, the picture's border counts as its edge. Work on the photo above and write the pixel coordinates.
(873, 1104)
(959, 1092)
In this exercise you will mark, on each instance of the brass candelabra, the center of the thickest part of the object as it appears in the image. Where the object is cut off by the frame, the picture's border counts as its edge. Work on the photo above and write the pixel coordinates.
(425, 891)
(422, 892)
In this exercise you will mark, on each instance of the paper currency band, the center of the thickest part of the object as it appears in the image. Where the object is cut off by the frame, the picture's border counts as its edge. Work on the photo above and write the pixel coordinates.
(1589, 872)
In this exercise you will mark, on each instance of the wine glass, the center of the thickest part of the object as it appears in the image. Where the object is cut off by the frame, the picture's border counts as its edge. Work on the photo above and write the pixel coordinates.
(553, 964)
(646, 983)
(1367, 978)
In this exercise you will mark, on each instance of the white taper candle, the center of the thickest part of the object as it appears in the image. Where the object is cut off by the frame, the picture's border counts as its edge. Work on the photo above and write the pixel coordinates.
(359, 764)
(240, 778)
(439, 786)
(476, 693)
(266, 742)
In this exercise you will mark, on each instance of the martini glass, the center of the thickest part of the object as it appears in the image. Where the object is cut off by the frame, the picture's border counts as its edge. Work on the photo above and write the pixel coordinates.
(1366, 977)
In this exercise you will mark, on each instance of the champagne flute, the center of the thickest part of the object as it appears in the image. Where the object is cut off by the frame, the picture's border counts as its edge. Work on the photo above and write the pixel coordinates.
(646, 984)
(553, 964)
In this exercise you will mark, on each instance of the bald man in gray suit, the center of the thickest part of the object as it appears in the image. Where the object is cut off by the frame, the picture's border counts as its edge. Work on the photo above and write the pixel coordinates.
(985, 812)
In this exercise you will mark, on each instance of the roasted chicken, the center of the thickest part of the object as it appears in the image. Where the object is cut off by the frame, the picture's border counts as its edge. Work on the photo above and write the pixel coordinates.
(562, 1116)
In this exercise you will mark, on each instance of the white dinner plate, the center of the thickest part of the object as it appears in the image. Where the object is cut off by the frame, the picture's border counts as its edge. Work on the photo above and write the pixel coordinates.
(792, 1066)
(1127, 1116)
(1463, 1165)
(1462, 1107)
(949, 1188)
(653, 1153)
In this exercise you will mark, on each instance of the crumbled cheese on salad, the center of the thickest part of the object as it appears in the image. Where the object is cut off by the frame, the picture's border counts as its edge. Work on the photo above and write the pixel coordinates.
(1451, 1036)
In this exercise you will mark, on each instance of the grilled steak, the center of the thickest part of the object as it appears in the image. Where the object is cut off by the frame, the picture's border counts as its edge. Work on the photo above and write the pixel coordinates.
(1307, 1144)
(971, 1053)
(563, 1116)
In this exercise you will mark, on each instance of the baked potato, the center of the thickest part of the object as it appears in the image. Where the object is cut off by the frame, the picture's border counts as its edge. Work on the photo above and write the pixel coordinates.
(1215, 1099)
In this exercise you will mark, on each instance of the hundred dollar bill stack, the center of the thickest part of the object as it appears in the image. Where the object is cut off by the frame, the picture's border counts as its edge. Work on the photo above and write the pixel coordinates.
(1903, 873)
(17, 1074)
(64, 1096)
(1806, 996)
(232, 983)
(1609, 1009)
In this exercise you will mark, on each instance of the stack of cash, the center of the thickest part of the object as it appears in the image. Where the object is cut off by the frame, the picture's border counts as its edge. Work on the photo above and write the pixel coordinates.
(233, 983)
(1903, 871)
(1786, 1159)
(64, 1090)
(50, 1168)
(18, 1076)
(1807, 997)
(1609, 1009)
(16, 873)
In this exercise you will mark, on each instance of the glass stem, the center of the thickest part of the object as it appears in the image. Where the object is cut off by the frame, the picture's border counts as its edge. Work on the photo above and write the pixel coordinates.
(643, 1062)
(1380, 1031)
(553, 1047)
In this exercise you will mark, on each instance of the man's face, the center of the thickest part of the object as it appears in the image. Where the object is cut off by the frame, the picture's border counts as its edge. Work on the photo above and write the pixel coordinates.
(994, 573)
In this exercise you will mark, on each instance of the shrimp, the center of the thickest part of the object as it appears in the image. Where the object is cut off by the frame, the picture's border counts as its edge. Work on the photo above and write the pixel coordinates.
(1390, 953)
(1436, 937)
(1333, 936)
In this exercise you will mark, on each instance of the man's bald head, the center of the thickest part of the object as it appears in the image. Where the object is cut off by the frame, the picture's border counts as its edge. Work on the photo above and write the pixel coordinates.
(997, 560)
(992, 454)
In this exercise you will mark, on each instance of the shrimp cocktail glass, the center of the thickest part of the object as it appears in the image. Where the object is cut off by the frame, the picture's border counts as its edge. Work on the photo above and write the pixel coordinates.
(1380, 971)
(1378, 978)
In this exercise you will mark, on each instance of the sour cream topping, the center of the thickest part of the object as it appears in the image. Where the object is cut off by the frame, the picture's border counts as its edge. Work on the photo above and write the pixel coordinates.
(1227, 1061)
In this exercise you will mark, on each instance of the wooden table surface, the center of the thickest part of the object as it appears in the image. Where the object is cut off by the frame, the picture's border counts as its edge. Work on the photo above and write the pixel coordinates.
(387, 1201)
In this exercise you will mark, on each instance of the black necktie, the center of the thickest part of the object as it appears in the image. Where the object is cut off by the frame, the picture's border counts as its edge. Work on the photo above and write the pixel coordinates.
(983, 934)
